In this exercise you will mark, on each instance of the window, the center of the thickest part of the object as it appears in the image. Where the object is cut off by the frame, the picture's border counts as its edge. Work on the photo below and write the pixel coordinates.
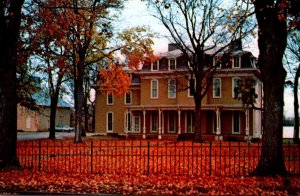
(235, 87)
(172, 120)
(109, 123)
(154, 123)
(155, 66)
(128, 96)
(217, 88)
(172, 64)
(214, 122)
(236, 122)
(128, 121)
(137, 124)
(190, 115)
(154, 89)
(217, 62)
(172, 89)
(236, 63)
(253, 62)
(28, 122)
(110, 99)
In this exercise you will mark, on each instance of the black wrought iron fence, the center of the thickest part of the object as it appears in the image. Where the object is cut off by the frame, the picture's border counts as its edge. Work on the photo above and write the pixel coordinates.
(149, 157)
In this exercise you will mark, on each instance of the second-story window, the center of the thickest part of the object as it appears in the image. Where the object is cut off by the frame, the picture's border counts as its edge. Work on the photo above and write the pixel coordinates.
(154, 89)
(110, 99)
(172, 64)
(128, 121)
(128, 97)
(217, 88)
(217, 62)
(172, 89)
(235, 87)
(236, 63)
(109, 121)
(155, 66)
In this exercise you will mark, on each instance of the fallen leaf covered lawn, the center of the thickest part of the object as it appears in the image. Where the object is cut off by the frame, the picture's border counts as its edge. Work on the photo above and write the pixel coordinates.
(21, 181)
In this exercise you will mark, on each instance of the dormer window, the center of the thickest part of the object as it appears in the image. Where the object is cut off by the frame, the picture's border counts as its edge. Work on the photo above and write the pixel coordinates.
(217, 62)
(236, 62)
(253, 62)
(172, 64)
(155, 66)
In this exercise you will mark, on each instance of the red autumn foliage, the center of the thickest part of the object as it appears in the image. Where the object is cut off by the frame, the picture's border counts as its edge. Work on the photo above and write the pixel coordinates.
(115, 80)
(27, 181)
(120, 163)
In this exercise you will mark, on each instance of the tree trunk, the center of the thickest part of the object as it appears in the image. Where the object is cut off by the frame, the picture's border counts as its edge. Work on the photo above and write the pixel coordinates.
(53, 107)
(79, 98)
(9, 33)
(94, 117)
(198, 134)
(272, 43)
(54, 101)
(296, 107)
(86, 117)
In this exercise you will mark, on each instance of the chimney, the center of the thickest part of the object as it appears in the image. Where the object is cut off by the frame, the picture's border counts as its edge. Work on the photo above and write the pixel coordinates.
(172, 46)
(236, 45)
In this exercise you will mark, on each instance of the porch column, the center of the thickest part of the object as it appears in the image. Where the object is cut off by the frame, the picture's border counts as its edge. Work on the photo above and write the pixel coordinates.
(247, 122)
(218, 122)
(159, 124)
(179, 126)
(144, 124)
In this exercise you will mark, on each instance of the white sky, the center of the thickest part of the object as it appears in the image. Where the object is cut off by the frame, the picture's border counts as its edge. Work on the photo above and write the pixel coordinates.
(135, 14)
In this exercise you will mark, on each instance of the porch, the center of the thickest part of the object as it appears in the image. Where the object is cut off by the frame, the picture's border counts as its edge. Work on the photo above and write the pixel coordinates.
(179, 122)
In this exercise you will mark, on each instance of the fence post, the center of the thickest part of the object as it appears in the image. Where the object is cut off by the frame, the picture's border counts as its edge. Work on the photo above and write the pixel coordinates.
(92, 157)
(39, 156)
(210, 158)
(148, 157)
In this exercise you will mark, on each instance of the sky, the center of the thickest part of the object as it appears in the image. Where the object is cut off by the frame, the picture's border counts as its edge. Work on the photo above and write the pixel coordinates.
(135, 13)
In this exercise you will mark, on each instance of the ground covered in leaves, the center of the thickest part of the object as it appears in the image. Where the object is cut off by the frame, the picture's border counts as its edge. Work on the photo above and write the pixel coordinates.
(25, 181)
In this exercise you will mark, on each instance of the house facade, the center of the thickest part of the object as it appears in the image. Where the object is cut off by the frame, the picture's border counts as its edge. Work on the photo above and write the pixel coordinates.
(159, 103)
(39, 120)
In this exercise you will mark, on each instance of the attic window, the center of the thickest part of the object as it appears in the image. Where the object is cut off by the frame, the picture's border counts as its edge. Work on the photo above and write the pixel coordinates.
(217, 62)
(236, 63)
(154, 66)
(253, 62)
(172, 64)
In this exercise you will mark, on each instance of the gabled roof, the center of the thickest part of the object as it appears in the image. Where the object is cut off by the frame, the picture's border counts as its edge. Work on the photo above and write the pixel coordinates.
(42, 99)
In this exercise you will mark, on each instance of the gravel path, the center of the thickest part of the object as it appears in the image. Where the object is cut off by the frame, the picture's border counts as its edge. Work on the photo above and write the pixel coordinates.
(45, 135)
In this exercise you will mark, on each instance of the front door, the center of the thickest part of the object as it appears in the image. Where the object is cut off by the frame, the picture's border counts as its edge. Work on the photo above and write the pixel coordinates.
(137, 124)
